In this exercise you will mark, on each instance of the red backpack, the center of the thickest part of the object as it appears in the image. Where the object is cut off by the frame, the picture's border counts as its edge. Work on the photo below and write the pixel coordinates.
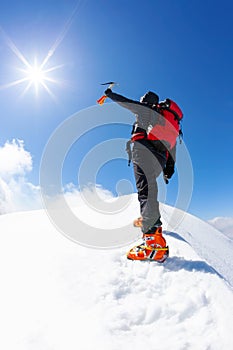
(169, 130)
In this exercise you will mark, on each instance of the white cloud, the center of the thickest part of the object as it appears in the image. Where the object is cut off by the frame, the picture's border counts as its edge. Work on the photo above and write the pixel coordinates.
(14, 160)
(16, 193)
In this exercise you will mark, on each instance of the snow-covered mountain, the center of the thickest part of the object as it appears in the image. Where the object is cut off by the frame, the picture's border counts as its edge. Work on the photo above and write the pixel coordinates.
(223, 224)
(56, 294)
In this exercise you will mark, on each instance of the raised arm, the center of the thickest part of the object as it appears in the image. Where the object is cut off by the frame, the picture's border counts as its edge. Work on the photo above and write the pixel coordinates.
(134, 106)
(145, 115)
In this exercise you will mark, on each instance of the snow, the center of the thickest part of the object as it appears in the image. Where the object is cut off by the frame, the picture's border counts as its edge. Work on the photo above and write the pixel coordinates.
(56, 294)
(223, 224)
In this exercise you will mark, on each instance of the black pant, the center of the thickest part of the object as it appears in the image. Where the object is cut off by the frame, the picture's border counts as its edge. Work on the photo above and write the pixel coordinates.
(148, 162)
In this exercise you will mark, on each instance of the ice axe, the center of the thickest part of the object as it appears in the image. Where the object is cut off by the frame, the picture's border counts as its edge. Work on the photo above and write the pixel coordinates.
(110, 84)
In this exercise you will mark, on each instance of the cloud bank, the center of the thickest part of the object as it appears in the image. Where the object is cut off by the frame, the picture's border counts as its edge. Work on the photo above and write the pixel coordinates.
(16, 192)
(19, 194)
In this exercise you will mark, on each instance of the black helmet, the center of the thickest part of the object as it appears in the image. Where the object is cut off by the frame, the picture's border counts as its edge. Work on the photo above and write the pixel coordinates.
(150, 98)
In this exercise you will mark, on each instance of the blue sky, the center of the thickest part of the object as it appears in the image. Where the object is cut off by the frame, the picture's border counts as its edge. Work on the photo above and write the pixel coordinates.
(179, 49)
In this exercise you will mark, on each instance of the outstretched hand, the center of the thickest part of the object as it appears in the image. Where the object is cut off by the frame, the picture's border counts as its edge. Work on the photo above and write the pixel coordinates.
(108, 91)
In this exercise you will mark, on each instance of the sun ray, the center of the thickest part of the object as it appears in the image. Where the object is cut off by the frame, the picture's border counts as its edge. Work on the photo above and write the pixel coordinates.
(49, 92)
(34, 74)
(29, 84)
(26, 88)
(53, 68)
(62, 35)
(14, 48)
(52, 80)
(37, 74)
(13, 83)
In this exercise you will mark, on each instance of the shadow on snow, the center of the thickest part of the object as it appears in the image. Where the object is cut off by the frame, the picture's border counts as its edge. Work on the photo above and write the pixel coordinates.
(177, 263)
(175, 235)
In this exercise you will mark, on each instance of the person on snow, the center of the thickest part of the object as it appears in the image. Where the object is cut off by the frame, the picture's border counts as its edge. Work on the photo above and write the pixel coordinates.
(153, 152)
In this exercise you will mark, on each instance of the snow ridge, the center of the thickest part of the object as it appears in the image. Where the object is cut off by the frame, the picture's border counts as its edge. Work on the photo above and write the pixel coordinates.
(223, 224)
(208, 242)
(58, 295)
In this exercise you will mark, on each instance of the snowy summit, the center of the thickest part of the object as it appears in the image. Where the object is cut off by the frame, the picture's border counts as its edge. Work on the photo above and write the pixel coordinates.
(56, 294)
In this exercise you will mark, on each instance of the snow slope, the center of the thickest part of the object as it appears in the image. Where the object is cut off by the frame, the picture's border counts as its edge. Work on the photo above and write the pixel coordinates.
(57, 295)
(223, 224)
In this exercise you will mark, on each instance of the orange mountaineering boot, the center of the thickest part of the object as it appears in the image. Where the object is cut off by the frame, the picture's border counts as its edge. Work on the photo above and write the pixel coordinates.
(153, 248)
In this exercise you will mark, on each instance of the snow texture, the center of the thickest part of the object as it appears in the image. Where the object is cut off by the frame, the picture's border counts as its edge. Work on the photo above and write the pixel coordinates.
(223, 224)
(58, 295)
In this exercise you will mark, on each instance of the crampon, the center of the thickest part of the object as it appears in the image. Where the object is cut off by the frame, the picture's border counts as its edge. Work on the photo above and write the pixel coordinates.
(141, 252)
(153, 248)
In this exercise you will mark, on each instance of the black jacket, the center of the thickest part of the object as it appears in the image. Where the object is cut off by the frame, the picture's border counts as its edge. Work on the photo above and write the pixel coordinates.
(145, 116)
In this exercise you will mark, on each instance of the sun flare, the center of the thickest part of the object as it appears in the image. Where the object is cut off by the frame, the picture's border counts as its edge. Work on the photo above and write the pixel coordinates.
(36, 75)
(33, 74)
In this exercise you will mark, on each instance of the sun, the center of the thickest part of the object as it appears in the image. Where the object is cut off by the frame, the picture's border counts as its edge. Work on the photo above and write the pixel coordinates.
(39, 77)
(33, 74)
(36, 75)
